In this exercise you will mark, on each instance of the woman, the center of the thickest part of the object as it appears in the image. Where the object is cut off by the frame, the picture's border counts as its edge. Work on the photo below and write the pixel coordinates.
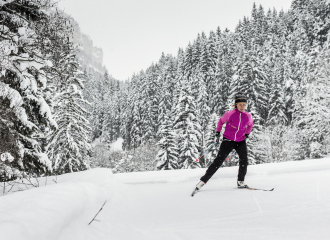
(238, 127)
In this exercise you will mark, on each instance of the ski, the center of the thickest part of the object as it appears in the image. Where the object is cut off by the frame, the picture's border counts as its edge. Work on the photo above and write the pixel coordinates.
(260, 189)
(248, 188)
(194, 192)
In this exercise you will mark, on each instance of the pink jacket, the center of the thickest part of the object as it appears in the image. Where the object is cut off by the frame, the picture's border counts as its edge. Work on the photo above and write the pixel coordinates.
(238, 124)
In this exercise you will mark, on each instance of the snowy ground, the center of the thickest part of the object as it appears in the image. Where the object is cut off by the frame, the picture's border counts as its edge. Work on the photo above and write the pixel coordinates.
(158, 205)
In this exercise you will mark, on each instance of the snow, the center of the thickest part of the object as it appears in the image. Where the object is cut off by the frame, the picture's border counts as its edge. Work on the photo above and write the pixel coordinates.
(43, 158)
(6, 156)
(5, 48)
(117, 146)
(49, 63)
(5, 2)
(15, 103)
(21, 31)
(45, 110)
(42, 78)
(158, 205)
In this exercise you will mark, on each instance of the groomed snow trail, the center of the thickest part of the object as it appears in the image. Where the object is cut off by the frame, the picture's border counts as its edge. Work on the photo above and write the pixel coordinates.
(161, 206)
(158, 205)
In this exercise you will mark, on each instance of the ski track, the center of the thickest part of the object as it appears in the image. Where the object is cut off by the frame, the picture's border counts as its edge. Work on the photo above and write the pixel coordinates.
(256, 202)
(219, 209)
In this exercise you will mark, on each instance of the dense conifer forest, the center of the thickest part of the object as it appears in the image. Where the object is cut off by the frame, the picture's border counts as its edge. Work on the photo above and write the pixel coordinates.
(58, 114)
(278, 59)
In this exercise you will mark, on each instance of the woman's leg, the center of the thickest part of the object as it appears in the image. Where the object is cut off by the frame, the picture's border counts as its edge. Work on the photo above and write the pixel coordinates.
(225, 149)
(243, 160)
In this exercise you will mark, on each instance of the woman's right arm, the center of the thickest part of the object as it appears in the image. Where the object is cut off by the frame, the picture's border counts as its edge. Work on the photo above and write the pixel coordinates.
(222, 120)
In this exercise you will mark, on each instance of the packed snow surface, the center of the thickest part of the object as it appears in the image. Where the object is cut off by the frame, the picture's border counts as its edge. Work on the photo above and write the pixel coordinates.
(158, 205)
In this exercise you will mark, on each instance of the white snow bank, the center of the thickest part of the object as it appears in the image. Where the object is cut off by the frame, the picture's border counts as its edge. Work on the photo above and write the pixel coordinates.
(57, 211)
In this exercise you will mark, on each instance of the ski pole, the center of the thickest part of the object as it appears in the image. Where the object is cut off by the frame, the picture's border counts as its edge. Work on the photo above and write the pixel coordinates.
(197, 160)
(227, 159)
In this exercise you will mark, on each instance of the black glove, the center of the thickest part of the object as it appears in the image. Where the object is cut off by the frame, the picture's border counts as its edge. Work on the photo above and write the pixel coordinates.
(246, 136)
(217, 136)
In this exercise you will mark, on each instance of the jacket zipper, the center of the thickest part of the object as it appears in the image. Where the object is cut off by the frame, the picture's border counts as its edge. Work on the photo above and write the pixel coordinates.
(238, 125)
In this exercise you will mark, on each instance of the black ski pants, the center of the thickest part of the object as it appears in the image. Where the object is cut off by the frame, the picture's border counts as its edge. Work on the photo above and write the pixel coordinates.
(226, 147)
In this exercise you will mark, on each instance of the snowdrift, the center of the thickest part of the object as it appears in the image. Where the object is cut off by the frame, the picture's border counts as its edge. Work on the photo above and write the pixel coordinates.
(158, 205)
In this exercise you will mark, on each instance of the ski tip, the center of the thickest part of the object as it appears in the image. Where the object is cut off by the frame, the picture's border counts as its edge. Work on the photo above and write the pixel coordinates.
(194, 192)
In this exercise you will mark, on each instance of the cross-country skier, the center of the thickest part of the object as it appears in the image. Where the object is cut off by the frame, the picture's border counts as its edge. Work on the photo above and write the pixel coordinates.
(238, 127)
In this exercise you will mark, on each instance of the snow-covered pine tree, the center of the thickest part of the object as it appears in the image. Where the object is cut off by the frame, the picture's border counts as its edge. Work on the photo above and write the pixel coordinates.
(210, 138)
(25, 114)
(111, 106)
(166, 92)
(149, 103)
(313, 119)
(223, 74)
(187, 127)
(277, 120)
(276, 113)
(202, 107)
(126, 117)
(289, 81)
(212, 49)
(136, 126)
(69, 148)
(196, 52)
(109, 119)
(251, 80)
(258, 143)
(135, 100)
(243, 33)
(167, 157)
(187, 63)
(102, 89)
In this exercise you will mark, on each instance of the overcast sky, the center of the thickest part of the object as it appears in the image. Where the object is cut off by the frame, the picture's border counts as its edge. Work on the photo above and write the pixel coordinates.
(134, 33)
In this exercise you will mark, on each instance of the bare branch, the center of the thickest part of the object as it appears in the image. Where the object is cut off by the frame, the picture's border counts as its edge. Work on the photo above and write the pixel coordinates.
(98, 213)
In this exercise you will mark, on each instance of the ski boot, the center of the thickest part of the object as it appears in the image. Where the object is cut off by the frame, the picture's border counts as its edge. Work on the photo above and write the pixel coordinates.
(241, 184)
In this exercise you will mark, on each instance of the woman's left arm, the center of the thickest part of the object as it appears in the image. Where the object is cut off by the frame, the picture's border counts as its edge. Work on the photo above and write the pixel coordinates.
(250, 125)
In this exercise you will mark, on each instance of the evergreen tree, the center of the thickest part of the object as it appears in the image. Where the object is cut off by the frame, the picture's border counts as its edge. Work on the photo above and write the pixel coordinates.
(187, 128)
(313, 118)
(126, 116)
(167, 79)
(187, 64)
(167, 157)
(149, 104)
(258, 143)
(209, 139)
(25, 115)
(276, 113)
(69, 148)
(251, 80)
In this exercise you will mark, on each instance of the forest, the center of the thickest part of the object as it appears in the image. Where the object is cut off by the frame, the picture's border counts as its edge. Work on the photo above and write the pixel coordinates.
(59, 115)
